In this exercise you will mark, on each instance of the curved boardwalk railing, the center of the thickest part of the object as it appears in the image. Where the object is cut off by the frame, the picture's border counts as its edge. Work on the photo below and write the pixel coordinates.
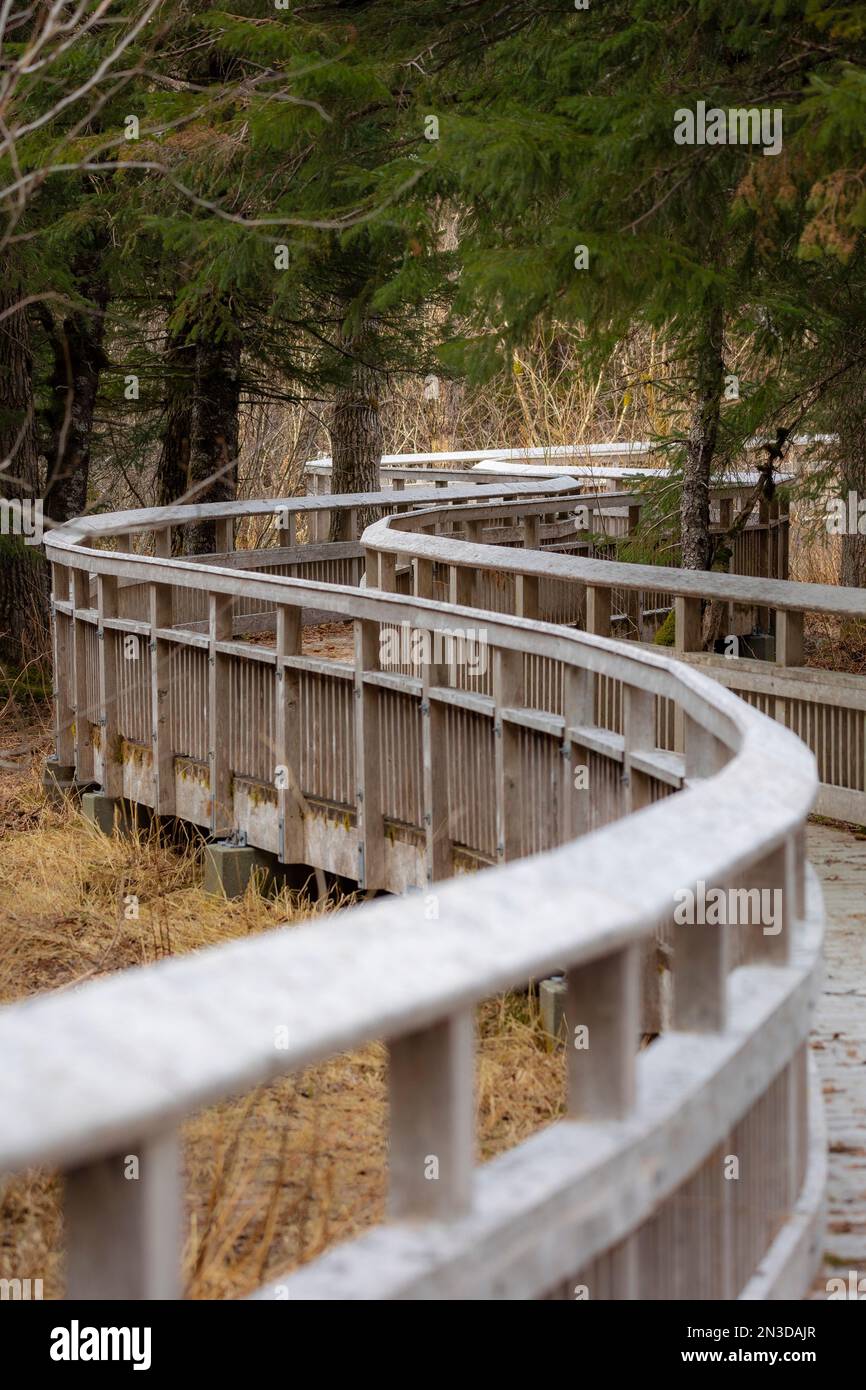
(826, 709)
(451, 740)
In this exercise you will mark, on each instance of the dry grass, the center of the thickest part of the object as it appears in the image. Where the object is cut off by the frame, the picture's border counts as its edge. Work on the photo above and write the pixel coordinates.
(832, 644)
(274, 1177)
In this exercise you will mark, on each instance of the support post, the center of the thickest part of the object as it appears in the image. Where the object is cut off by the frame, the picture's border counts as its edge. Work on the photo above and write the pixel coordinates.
(508, 694)
(162, 747)
(219, 752)
(64, 673)
(601, 1011)
(789, 638)
(431, 1085)
(123, 1232)
(578, 702)
(371, 828)
(83, 746)
(290, 804)
(598, 610)
(110, 765)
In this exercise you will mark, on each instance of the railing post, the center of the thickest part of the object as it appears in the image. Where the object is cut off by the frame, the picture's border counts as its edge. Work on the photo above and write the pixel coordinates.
(225, 535)
(161, 733)
(578, 700)
(387, 572)
(598, 610)
(527, 592)
(287, 528)
(508, 694)
(80, 593)
(218, 742)
(110, 766)
(688, 637)
(368, 773)
(601, 1011)
(162, 543)
(639, 732)
(773, 885)
(123, 1218)
(64, 673)
(423, 578)
(434, 735)
(705, 755)
(288, 750)
(461, 585)
(431, 1094)
(689, 629)
(789, 637)
(700, 969)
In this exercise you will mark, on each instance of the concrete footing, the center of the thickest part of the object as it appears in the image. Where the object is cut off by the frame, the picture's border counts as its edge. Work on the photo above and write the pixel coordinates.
(110, 813)
(551, 997)
(229, 868)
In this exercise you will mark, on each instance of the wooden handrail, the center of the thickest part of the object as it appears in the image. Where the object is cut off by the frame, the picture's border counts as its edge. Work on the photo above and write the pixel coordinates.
(143, 1048)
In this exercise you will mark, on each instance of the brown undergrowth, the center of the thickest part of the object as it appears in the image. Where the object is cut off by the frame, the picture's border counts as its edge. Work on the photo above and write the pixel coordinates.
(273, 1177)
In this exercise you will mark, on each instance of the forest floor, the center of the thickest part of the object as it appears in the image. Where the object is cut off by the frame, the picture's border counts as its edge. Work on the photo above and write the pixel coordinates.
(273, 1177)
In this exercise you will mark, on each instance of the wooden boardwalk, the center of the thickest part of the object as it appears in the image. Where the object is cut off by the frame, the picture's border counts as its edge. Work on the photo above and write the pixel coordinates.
(397, 769)
(839, 1045)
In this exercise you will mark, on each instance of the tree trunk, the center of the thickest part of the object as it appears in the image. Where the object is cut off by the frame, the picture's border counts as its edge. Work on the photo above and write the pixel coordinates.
(24, 621)
(172, 468)
(850, 420)
(703, 434)
(78, 359)
(212, 475)
(356, 444)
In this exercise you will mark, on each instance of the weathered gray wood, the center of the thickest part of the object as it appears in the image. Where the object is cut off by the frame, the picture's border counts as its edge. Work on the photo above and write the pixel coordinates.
(639, 721)
(507, 692)
(598, 610)
(391, 972)
(110, 766)
(688, 624)
(431, 1102)
(288, 749)
(161, 653)
(123, 1222)
(368, 777)
(601, 1013)
(789, 638)
(219, 675)
(700, 958)
(64, 669)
